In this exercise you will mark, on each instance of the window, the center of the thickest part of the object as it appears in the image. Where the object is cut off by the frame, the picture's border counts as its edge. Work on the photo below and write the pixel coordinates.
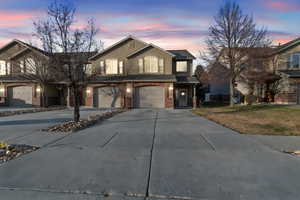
(22, 66)
(101, 67)
(121, 67)
(151, 64)
(181, 66)
(295, 60)
(30, 66)
(2, 67)
(89, 69)
(111, 66)
(161, 65)
(141, 65)
(8, 68)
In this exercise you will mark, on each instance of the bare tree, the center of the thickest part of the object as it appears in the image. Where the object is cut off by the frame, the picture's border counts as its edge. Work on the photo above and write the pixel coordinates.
(230, 37)
(70, 47)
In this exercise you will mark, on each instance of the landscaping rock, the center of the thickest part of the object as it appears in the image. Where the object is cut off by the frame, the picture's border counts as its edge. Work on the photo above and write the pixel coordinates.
(15, 150)
(72, 126)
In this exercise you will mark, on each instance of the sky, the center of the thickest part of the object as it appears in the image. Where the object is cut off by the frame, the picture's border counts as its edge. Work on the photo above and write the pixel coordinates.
(170, 24)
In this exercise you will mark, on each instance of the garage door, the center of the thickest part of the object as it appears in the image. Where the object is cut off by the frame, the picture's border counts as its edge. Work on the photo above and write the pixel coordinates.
(20, 96)
(150, 97)
(107, 97)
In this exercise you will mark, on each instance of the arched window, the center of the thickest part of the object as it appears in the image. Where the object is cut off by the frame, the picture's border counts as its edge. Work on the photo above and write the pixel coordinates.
(295, 60)
(151, 64)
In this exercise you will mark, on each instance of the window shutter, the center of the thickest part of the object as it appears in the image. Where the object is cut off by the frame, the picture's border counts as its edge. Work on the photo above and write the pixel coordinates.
(2, 67)
(102, 71)
(121, 67)
(8, 68)
(141, 65)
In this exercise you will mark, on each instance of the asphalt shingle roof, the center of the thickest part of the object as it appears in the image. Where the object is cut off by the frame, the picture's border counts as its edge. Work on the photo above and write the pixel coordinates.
(182, 54)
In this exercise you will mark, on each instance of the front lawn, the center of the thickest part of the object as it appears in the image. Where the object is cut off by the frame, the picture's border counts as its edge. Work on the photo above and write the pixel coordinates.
(256, 119)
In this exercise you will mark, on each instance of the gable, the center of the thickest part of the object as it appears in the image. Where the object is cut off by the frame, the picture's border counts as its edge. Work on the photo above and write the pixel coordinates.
(150, 48)
(122, 48)
(10, 49)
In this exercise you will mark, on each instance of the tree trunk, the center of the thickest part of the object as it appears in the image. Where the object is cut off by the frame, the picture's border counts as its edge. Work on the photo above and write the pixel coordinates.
(76, 99)
(232, 86)
(44, 96)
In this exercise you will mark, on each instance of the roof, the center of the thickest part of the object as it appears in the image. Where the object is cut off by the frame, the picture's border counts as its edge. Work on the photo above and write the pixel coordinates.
(186, 79)
(288, 45)
(86, 55)
(182, 54)
(135, 78)
(291, 73)
(27, 46)
(130, 37)
(14, 78)
(148, 46)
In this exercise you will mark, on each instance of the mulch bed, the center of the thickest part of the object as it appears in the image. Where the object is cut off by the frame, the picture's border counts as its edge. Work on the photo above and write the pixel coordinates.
(72, 126)
(34, 110)
(12, 151)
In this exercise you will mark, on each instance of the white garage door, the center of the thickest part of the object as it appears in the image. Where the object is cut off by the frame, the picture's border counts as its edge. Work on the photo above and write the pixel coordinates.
(107, 97)
(20, 96)
(150, 97)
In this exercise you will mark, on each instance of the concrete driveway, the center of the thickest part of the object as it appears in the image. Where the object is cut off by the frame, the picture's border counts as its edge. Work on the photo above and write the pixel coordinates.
(153, 154)
(26, 128)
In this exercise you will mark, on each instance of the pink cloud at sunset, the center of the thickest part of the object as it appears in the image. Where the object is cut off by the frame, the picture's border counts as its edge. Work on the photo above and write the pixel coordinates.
(282, 6)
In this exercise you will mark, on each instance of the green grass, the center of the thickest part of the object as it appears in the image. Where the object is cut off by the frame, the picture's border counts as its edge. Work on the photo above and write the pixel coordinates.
(256, 119)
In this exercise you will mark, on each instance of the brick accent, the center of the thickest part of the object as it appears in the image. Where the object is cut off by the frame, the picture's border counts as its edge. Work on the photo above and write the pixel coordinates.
(127, 98)
(286, 98)
(36, 97)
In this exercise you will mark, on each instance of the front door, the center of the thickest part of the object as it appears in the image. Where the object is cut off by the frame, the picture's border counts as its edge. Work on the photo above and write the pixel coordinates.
(182, 97)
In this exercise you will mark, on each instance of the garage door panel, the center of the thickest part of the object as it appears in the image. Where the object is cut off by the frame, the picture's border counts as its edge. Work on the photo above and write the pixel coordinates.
(104, 97)
(150, 97)
(20, 96)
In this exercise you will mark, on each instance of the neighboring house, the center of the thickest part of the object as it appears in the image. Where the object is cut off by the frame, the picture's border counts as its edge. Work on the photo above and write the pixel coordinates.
(15, 88)
(283, 62)
(128, 74)
(287, 65)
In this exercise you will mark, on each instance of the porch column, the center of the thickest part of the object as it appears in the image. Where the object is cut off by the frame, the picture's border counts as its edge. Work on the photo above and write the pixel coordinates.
(68, 97)
(129, 95)
(194, 97)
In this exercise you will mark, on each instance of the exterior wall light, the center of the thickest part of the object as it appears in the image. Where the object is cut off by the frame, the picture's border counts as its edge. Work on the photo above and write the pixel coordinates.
(38, 89)
(88, 91)
(128, 90)
(171, 87)
(2, 89)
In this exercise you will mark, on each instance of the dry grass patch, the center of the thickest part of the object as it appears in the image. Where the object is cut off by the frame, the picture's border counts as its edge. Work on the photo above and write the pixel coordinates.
(256, 119)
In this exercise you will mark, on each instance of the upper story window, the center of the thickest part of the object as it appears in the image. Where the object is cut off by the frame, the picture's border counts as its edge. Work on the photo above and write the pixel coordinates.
(31, 66)
(295, 60)
(22, 66)
(161, 64)
(151, 64)
(181, 66)
(111, 66)
(102, 68)
(2, 67)
(89, 69)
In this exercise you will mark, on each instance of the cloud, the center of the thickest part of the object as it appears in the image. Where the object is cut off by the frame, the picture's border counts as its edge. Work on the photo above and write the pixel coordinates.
(282, 6)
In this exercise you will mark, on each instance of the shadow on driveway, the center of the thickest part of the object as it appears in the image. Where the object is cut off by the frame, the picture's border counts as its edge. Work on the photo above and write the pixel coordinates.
(33, 121)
